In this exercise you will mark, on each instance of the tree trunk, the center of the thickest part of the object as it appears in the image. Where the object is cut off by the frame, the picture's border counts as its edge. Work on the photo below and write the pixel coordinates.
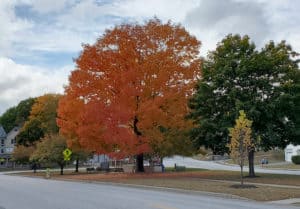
(162, 165)
(140, 163)
(251, 163)
(140, 156)
(242, 176)
(61, 169)
(77, 165)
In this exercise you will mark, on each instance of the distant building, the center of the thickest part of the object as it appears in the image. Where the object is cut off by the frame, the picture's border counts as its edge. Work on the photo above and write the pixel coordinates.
(290, 151)
(7, 144)
(96, 160)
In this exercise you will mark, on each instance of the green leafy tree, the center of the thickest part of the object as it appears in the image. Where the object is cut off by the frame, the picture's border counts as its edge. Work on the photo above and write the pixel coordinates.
(296, 110)
(240, 141)
(263, 83)
(23, 110)
(30, 133)
(214, 106)
(8, 119)
(50, 150)
(174, 142)
(16, 116)
(42, 120)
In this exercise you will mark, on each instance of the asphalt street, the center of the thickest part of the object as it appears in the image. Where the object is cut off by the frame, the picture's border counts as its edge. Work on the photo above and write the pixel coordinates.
(33, 193)
(215, 165)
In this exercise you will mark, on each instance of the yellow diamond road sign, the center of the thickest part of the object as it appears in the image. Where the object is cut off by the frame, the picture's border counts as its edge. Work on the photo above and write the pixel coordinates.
(67, 154)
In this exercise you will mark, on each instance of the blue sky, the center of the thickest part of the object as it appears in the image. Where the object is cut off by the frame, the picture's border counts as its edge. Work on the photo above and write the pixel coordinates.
(40, 38)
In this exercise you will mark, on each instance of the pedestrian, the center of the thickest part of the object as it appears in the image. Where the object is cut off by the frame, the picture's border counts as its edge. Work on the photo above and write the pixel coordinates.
(263, 161)
(34, 167)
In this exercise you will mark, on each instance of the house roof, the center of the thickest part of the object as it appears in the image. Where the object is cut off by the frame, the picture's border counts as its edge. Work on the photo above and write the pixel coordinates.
(13, 133)
(291, 146)
(2, 132)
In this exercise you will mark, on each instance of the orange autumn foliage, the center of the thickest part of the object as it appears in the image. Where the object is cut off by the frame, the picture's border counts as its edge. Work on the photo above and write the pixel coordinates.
(44, 110)
(132, 81)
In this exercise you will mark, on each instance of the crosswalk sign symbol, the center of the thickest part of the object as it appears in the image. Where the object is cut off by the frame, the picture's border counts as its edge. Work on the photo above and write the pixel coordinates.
(67, 154)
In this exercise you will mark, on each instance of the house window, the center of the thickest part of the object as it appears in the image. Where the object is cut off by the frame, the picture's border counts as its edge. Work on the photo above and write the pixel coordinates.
(12, 141)
(9, 150)
(2, 151)
(2, 142)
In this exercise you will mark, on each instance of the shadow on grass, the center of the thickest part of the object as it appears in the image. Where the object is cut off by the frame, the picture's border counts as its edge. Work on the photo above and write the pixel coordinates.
(252, 177)
(245, 186)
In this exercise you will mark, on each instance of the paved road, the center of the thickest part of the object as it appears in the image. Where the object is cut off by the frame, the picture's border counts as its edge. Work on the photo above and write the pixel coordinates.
(211, 165)
(32, 193)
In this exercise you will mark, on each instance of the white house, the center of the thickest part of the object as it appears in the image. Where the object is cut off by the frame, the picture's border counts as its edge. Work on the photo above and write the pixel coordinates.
(290, 151)
(7, 144)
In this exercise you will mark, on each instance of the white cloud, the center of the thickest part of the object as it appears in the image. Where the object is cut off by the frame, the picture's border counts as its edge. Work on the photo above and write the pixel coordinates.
(46, 6)
(19, 82)
(11, 27)
(82, 16)
(284, 19)
(72, 23)
(54, 40)
(167, 9)
(219, 18)
(65, 24)
(75, 22)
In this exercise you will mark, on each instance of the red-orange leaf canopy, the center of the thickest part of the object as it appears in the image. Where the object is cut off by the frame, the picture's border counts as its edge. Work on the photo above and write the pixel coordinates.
(132, 81)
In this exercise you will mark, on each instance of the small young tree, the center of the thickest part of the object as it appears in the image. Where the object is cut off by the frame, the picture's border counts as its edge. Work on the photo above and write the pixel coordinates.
(240, 140)
(50, 150)
(21, 154)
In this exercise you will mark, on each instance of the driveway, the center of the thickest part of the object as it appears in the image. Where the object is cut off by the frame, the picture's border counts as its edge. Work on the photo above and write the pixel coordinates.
(215, 165)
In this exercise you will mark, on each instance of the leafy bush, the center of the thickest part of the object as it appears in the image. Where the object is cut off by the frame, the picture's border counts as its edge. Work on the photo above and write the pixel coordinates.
(296, 159)
(202, 151)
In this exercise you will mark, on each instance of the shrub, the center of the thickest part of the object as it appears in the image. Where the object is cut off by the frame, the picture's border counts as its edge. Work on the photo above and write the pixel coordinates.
(296, 159)
(202, 151)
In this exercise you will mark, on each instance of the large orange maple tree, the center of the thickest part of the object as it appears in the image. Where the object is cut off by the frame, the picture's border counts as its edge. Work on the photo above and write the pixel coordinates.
(134, 81)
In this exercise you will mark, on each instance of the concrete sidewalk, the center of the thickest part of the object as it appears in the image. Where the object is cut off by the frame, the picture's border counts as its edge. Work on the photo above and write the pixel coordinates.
(294, 201)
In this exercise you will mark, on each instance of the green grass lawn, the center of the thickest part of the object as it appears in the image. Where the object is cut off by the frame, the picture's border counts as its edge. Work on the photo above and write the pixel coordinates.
(284, 166)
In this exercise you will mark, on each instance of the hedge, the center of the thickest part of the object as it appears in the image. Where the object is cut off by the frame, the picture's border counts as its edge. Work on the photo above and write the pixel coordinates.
(296, 159)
